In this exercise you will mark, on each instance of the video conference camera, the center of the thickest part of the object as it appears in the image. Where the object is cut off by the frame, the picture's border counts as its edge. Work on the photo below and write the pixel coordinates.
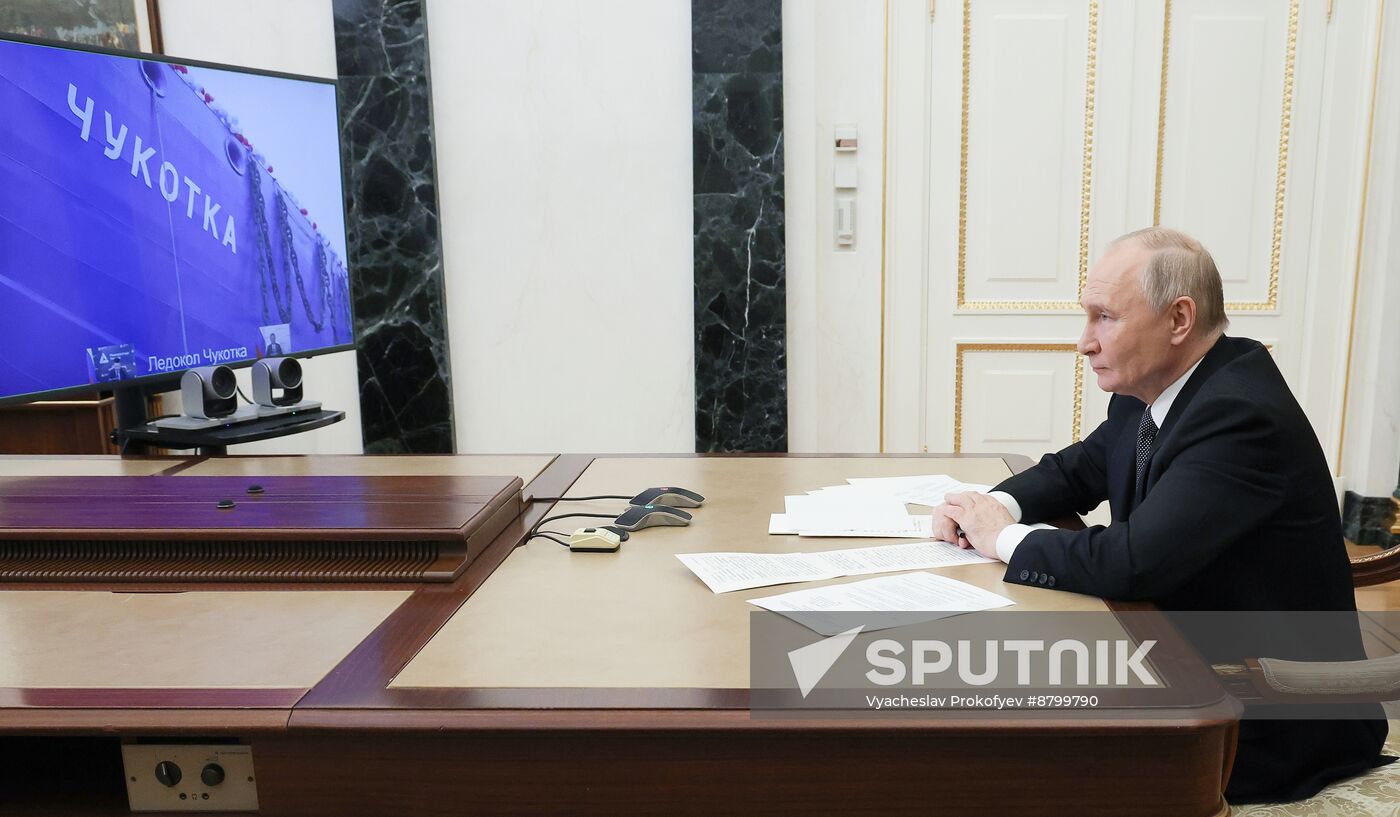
(277, 387)
(208, 399)
(209, 392)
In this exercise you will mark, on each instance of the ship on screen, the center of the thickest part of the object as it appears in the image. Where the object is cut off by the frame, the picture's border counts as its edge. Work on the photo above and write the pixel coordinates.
(141, 232)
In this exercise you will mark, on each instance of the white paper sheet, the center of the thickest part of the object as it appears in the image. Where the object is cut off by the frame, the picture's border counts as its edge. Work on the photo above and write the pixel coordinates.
(903, 556)
(778, 525)
(726, 572)
(903, 599)
(854, 511)
(922, 528)
(928, 489)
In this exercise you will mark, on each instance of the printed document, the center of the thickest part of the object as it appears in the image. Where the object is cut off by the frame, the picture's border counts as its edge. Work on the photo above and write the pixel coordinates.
(726, 572)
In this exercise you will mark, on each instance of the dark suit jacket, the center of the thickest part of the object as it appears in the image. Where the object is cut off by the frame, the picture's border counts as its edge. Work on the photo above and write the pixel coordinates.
(1236, 513)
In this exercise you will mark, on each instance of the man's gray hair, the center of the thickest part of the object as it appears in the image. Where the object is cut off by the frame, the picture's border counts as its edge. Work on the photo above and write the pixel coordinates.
(1180, 266)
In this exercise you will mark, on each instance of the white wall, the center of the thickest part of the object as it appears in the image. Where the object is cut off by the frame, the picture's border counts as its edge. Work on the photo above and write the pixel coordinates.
(1371, 437)
(564, 169)
(564, 166)
(296, 37)
(833, 74)
(564, 161)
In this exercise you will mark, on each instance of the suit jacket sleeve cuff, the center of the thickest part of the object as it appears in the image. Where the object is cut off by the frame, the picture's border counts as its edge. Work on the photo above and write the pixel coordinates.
(1012, 506)
(1009, 539)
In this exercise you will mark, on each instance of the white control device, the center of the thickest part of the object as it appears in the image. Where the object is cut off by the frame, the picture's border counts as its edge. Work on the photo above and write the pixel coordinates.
(594, 540)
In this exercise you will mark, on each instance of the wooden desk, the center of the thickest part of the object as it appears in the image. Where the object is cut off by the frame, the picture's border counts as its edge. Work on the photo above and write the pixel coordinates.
(547, 682)
(79, 426)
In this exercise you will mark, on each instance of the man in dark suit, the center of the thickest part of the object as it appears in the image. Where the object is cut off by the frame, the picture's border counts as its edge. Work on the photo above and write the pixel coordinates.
(1221, 497)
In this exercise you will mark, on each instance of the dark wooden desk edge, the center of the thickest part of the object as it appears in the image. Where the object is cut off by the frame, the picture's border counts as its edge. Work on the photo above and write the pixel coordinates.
(196, 721)
(502, 498)
(361, 681)
(446, 720)
(33, 710)
(309, 720)
(148, 710)
(362, 678)
(30, 710)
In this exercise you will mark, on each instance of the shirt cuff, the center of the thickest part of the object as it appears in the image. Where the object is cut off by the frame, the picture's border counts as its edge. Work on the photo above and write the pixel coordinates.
(1012, 506)
(1010, 538)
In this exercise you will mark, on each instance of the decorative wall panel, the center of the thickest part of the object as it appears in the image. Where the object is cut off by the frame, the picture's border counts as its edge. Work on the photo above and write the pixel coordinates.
(392, 219)
(1228, 74)
(1025, 398)
(740, 291)
(1028, 94)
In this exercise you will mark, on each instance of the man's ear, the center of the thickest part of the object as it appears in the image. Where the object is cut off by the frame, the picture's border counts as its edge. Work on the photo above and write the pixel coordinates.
(1182, 313)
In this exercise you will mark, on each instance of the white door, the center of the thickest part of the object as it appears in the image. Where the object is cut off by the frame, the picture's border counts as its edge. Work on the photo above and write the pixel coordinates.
(1026, 134)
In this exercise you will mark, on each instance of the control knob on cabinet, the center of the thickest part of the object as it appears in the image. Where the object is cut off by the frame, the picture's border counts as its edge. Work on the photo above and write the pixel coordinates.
(168, 773)
(212, 775)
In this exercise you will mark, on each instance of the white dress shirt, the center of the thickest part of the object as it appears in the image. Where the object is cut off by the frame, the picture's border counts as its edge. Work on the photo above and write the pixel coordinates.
(1012, 535)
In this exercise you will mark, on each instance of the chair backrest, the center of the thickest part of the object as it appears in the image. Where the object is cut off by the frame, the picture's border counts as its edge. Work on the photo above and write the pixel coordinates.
(1376, 568)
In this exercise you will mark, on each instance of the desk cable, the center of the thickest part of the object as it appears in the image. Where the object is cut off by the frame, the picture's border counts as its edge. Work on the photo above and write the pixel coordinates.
(536, 533)
(549, 534)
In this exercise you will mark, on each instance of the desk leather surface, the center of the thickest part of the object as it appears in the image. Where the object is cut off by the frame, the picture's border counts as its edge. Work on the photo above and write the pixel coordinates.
(245, 639)
(78, 465)
(640, 618)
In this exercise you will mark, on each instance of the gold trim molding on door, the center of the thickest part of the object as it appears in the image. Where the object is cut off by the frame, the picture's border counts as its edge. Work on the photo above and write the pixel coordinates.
(1361, 230)
(963, 348)
(1281, 174)
(1077, 421)
(1086, 176)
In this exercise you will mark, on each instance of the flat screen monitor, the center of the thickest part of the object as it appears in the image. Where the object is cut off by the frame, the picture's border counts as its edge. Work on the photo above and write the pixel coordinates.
(157, 216)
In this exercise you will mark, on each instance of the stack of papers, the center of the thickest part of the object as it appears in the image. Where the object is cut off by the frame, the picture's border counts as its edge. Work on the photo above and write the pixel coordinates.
(929, 489)
(919, 527)
(868, 507)
(726, 572)
(833, 512)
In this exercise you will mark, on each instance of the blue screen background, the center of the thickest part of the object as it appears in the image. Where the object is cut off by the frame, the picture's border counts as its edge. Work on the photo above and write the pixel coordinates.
(225, 229)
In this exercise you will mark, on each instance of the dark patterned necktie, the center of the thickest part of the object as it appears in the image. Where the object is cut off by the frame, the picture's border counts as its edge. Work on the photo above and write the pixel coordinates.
(1147, 432)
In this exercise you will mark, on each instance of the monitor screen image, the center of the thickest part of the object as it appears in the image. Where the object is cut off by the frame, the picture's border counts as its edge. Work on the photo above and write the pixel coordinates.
(157, 216)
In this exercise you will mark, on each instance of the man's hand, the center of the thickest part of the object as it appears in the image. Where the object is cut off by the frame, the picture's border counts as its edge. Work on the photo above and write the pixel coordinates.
(945, 528)
(980, 518)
